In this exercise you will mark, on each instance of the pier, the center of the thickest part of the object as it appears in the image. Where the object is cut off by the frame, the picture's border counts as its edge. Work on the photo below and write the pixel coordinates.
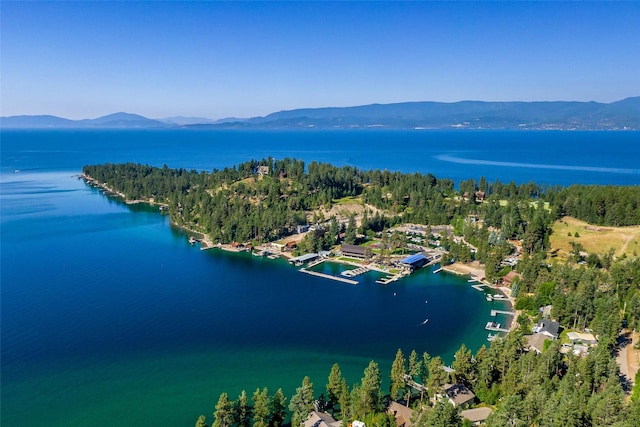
(508, 313)
(389, 279)
(437, 271)
(329, 276)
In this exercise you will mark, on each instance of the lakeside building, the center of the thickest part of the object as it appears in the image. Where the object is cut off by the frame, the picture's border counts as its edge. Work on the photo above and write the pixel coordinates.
(548, 328)
(458, 395)
(402, 414)
(414, 261)
(321, 419)
(477, 416)
(303, 258)
(535, 342)
(511, 277)
(355, 251)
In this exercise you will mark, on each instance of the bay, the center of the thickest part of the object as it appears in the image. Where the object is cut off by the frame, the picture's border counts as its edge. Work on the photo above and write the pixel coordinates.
(110, 317)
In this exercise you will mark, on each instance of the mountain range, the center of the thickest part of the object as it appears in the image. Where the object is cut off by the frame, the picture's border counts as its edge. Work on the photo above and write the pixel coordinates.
(554, 115)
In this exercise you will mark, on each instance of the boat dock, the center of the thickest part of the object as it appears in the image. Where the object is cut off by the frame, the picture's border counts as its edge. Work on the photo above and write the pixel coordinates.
(329, 276)
(437, 271)
(355, 272)
(508, 313)
(497, 327)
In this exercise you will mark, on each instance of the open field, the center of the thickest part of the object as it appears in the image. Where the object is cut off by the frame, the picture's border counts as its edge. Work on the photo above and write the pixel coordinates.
(594, 238)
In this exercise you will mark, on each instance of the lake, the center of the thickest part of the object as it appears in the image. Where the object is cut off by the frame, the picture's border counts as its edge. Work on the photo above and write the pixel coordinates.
(110, 317)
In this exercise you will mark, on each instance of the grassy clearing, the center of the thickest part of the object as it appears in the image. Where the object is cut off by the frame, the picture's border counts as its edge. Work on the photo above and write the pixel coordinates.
(348, 200)
(597, 239)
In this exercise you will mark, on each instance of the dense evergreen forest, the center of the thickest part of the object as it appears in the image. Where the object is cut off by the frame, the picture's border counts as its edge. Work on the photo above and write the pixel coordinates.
(264, 200)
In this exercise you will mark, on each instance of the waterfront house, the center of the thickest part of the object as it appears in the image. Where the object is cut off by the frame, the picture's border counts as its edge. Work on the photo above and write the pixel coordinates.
(321, 419)
(263, 170)
(510, 278)
(477, 416)
(290, 246)
(548, 328)
(535, 342)
(402, 414)
(459, 395)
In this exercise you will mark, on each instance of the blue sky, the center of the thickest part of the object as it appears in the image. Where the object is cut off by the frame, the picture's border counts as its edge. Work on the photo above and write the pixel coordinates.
(220, 59)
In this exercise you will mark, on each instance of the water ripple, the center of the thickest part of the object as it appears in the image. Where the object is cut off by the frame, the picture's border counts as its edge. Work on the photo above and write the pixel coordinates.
(459, 160)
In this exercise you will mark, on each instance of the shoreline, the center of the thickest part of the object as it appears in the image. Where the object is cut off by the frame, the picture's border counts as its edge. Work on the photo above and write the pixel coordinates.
(474, 271)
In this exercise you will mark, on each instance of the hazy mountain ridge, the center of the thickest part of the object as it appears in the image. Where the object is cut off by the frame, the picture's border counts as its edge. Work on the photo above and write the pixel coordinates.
(116, 120)
(559, 115)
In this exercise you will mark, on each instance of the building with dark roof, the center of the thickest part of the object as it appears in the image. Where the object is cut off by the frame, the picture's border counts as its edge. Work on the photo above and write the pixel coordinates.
(355, 251)
(548, 328)
(459, 395)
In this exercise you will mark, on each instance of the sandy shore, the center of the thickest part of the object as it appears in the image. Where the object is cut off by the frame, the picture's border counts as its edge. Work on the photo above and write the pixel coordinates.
(473, 269)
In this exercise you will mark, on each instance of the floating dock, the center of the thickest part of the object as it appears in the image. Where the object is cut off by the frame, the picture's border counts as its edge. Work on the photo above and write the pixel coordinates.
(437, 271)
(497, 327)
(329, 276)
(355, 272)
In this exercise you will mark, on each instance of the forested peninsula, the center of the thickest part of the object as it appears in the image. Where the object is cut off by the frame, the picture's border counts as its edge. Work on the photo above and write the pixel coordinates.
(569, 256)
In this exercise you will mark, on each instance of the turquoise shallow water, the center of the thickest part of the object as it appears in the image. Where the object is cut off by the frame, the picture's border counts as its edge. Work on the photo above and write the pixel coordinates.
(109, 316)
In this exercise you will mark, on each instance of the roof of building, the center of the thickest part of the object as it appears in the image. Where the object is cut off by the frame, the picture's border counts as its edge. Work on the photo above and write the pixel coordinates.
(321, 419)
(354, 249)
(584, 337)
(477, 414)
(510, 276)
(401, 413)
(548, 327)
(304, 258)
(413, 259)
(459, 393)
(536, 341)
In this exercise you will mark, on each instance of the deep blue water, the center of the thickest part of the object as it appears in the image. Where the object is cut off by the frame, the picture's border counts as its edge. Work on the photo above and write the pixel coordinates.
(548, 157)
(109, 316)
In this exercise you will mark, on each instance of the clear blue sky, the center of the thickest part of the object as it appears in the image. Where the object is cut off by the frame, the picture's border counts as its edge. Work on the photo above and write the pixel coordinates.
(219, 59)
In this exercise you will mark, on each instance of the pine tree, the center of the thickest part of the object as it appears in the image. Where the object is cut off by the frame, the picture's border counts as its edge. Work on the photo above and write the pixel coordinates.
(277, 409)
(397, 375)
(202, 421)
(261, 408)
(344, 400)
(301, 403)
(370, 388)
(437, 375)
(334, 386)
(224, 413)
(463, 366)
(243, 411)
